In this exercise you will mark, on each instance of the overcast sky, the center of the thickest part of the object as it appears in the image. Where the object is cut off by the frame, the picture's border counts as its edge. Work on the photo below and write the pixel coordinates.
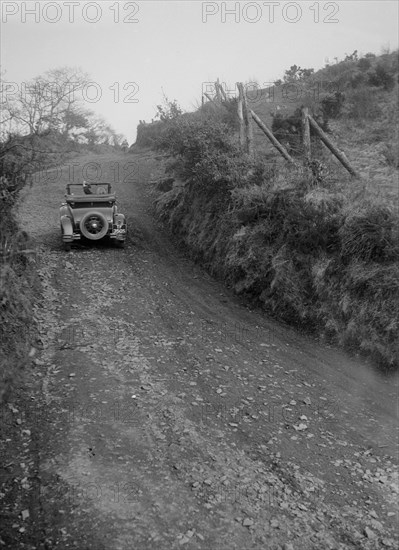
(140, 48)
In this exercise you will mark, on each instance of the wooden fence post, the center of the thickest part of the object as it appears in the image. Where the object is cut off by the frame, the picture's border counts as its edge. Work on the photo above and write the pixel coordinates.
(222, 92)
(246, 113)
(328, 143)
(217, 88)
(306, 134)
(241, 120)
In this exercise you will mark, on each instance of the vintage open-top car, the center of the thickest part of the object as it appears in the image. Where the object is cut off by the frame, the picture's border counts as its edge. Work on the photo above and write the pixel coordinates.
(90, 211)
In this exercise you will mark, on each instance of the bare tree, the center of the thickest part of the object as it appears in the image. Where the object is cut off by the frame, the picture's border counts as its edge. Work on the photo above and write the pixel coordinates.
(48, 102)
(42, 117)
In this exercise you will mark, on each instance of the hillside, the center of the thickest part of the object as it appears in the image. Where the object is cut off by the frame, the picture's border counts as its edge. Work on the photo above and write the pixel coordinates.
(366, 128)
(317, 249)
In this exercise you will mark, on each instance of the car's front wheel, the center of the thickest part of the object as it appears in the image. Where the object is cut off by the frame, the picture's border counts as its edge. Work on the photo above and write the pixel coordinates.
(94, 226)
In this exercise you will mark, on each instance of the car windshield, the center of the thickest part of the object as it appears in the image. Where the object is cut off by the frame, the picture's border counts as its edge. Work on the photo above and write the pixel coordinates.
(91, 188)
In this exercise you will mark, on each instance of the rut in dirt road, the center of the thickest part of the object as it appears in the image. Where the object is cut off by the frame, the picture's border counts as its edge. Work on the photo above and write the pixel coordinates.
(178, 417)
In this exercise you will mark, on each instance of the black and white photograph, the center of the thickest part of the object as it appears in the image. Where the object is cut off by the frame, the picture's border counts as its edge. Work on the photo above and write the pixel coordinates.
(199, 275)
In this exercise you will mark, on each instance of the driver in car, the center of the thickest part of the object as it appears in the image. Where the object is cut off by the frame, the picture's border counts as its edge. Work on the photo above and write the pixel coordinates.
(87, 188)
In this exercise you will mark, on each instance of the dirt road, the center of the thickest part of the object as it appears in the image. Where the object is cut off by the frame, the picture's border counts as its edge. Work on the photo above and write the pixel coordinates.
(171, 415)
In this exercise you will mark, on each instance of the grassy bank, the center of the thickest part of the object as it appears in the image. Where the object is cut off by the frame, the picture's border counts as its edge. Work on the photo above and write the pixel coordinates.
(19, 286)
(309, 254)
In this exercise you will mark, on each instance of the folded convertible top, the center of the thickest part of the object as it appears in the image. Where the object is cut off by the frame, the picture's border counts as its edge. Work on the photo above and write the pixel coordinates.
(91, 198)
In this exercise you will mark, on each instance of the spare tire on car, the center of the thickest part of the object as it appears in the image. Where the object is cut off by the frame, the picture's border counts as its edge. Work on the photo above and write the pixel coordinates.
(93, 216)
(94, 226)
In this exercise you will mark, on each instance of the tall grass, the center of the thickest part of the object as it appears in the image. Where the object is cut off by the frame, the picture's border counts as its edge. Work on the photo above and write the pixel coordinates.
(310, 256)
(18, 285)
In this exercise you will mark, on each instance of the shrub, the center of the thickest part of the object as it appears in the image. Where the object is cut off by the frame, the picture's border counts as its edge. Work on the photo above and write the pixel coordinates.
(372, 296)
(19, 155)
(364, 64)
(331, 105)
(357, 79)
(363, 104)
(370, 235)
(204, 153)
(391, 154)
(225, 112)
(148, 133)
(17, 287)
(346, 75)
(358, 306)
(289, 295)
(170, 110)
(380, 77)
